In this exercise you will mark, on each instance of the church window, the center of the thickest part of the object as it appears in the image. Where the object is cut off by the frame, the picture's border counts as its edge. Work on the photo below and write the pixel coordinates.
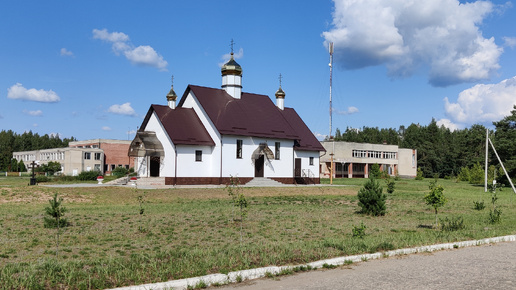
(239, 149)
(277, 150)
(311, 161)
(198, 155)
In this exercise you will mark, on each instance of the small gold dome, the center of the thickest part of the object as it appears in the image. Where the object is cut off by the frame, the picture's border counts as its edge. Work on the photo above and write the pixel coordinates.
(280, 93)
(171, 96)
(231, 68)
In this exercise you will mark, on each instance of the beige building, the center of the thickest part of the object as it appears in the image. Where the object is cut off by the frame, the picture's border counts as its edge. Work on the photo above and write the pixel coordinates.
(353, 160)
(115, 152)
(73, 160)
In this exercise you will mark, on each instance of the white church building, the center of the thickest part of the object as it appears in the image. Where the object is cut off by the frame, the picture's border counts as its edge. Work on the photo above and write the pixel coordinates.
(214, 134)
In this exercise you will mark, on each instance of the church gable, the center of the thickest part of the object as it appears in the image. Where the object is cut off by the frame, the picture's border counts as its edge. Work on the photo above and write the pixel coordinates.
(182, 125)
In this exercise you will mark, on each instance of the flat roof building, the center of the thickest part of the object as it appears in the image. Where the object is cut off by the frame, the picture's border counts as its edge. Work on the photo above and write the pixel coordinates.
(353, 160)
(73, 160)
(115, 152)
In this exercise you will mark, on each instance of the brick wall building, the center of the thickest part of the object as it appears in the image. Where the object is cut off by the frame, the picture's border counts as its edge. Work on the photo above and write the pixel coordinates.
(115, 152)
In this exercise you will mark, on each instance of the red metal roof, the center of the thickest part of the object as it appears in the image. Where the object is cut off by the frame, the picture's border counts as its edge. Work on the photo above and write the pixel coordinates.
(251, 115)
(182, 125)
(307, 140)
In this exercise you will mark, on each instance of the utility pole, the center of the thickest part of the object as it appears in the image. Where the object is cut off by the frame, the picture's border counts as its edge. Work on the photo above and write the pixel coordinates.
(330, 138)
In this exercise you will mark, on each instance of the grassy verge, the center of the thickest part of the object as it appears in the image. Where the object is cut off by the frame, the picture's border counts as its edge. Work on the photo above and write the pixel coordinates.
(190, 232)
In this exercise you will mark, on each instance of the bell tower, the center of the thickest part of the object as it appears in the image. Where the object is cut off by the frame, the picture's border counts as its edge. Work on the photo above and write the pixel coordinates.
(232, 77)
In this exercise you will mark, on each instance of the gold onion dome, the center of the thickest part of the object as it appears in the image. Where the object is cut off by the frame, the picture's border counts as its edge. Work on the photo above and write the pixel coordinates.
(231, 68)
(171, 96)
(280, 93)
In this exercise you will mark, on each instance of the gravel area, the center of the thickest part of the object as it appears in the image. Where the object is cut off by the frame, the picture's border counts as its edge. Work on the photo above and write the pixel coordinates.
(491, 266)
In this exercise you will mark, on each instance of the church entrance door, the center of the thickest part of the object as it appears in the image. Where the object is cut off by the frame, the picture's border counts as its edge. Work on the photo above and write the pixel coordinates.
(297, 167)
(154, 166)
(258, 166)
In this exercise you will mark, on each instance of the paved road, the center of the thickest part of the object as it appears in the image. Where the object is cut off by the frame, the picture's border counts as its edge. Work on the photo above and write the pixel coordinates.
(490, 266)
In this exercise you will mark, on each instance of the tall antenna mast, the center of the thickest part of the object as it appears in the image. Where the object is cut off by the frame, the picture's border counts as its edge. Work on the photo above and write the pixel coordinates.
(330, 48)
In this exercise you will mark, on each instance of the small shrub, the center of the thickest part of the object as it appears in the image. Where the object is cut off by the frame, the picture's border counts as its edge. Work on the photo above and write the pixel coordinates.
(390, 185)
(464, 174)
(88, 175)
(371, 198)
(55, 214)
(479, 205)
(436, 197)
(454, 224)
(358, 231)
(495, 216)
(328, 266)
(375, 171)
(120, 171)
(419, 174)
(42, 178)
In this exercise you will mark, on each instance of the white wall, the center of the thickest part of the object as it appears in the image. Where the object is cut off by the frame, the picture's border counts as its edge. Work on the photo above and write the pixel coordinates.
(192, 102)
(244, 167)
(167, 166)
(407, 162)
(305, 161)
(188, 167)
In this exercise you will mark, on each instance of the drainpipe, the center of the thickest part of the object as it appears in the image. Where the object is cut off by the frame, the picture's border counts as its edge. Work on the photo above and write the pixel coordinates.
(221, 142)
(175, 166)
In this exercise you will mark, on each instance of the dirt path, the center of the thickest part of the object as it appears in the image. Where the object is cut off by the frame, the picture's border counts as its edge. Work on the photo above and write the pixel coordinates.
(490, 266)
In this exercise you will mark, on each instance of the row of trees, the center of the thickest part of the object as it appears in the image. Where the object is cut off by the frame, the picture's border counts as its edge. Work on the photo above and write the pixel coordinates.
(443, 152)
(12, 142)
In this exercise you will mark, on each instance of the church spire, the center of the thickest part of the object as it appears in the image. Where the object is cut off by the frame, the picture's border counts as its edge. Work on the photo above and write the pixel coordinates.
(232, 76)
(280, 96)
(171, 96)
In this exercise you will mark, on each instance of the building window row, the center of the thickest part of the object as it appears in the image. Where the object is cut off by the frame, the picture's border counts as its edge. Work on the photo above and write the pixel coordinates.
(25, 157)
(52, 156)
(374, 154)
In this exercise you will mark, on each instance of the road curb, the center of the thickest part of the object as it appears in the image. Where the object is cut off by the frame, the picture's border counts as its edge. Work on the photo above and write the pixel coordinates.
(243, 275)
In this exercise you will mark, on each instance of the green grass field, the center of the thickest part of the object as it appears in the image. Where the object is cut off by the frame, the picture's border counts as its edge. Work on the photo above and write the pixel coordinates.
(191, 232)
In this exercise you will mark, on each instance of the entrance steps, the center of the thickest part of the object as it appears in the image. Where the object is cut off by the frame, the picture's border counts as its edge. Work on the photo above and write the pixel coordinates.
(118, 181)
(148, 181)
(262, 182)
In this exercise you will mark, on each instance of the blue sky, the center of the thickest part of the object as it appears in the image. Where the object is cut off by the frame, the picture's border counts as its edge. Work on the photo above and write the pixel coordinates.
(91, 69)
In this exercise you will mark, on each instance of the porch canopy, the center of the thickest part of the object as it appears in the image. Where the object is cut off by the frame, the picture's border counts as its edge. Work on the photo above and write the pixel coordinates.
(146, 144)
(262, 149)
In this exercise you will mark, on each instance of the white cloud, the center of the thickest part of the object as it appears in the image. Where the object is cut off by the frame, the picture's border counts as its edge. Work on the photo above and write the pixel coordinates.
(483, 103)
(349, 111)
(66, 52)
(510, 41)
(441, 35)
(113, 37)
(106, 128)
(124, 109)
(35, 125)
(142, 55)
(320, 136)
(146, 56)
(18, 92)
(447, 123)
(37, 113)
